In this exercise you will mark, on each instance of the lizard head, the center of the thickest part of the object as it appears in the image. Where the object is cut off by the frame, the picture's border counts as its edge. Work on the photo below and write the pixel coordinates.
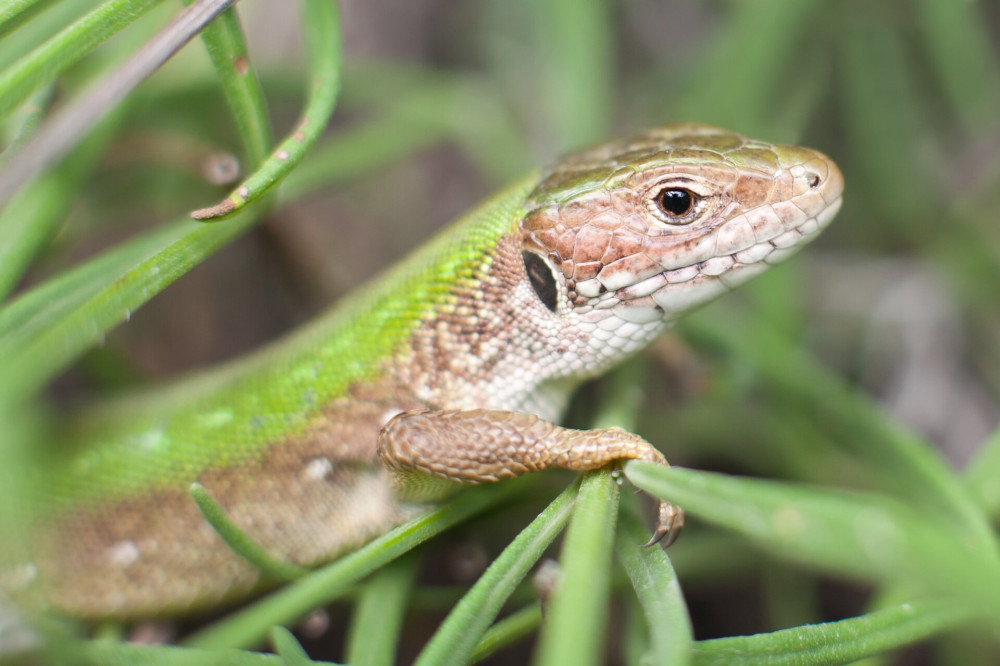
(639, 231)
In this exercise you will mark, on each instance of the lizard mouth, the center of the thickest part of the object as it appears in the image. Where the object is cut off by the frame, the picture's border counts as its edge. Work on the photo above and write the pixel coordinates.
(767, 252)
(673, 291)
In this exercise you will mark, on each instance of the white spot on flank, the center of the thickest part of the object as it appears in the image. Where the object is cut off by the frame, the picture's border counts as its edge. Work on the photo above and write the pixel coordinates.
(306, 373)
(388, 414)
(318, 469)
(244, 191)
(216, 419)
(152, 439)
(18, 577)
(123, 553)
(282, 155)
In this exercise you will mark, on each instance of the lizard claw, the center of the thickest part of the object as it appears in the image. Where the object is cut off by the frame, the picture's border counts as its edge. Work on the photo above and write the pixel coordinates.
(668, 524)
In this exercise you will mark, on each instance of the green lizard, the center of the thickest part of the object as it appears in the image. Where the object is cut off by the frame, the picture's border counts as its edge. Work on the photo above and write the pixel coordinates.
(452, 366)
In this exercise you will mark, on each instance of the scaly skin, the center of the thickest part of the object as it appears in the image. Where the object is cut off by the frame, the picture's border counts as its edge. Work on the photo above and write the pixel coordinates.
(463, 353)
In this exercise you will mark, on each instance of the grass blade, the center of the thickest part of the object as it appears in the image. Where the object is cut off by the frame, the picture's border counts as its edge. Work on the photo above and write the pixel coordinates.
(509, 630)
(76, 40)
(48, 327)
(659, 593)
(227, 49)
(982, 476)
(460, 633)
(321, 25)
(248, 627)
(739, 83)
(906, 464)
(239, 541)
(575, 628)
(832, 643)
(862, 535)
(378, 614)
(958, 42)
(66, 128)
(575, 42)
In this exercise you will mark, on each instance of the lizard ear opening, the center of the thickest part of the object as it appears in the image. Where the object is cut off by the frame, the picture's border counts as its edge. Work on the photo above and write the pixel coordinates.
(542, 280)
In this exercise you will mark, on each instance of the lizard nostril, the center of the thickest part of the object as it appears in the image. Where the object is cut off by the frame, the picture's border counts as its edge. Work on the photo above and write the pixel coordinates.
(814, 180)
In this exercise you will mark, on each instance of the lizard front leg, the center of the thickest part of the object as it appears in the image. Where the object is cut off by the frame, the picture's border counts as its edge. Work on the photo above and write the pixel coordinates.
(427, 450)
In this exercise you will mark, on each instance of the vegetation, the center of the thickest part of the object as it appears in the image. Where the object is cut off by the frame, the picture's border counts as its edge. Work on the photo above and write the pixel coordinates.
(848, 396)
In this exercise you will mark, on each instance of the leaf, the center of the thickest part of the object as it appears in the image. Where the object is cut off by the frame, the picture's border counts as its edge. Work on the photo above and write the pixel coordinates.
(862, 535)
(832, 643)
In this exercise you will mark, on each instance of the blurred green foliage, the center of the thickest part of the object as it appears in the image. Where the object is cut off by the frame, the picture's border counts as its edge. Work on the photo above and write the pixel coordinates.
(803, 377)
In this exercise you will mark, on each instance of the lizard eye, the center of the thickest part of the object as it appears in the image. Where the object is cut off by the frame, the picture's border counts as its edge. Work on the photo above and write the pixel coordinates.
(541, 278)
(673, 204)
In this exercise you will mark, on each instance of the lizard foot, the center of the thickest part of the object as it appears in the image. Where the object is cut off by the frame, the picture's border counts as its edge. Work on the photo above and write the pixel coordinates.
(669, 521)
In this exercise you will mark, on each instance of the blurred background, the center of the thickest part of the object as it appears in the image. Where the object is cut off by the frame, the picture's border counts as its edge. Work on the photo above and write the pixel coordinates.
(444, 101)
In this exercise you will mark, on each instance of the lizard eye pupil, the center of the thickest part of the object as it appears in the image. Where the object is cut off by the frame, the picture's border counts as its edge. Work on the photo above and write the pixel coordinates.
(541, 278)
(675, 201)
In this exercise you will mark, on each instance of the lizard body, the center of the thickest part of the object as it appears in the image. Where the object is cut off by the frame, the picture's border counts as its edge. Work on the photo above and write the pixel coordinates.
(452, 365)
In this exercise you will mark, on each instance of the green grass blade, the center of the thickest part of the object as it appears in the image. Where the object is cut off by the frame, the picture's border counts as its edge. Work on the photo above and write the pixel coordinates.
(48, 327)
(832, 643)
(226, 46)
(373, 634)
(75, 41)
(239, 541)
(288, 648)
(982, 476)
(575, 43)
(906, 464)
(107, 653)
(15, 12)
(37, 27)
(21, 124)
(382, 141)
(574, 632)
(460, 633)
(513, 628)
(958, 41)
(321, 25)
(35, 213)
(740, 83)
(66, 128)
(883, 115)
(861, 535)
(247, 627)
(659, 594)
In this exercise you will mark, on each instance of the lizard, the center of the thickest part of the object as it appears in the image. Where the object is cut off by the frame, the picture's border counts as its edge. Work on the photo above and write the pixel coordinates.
(453, 365)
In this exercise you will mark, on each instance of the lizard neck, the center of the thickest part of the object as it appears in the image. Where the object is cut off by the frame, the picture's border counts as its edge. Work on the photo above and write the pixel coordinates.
(496, 345)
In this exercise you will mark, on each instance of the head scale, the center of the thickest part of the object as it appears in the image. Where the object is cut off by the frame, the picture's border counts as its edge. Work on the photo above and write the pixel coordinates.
(646, 228)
